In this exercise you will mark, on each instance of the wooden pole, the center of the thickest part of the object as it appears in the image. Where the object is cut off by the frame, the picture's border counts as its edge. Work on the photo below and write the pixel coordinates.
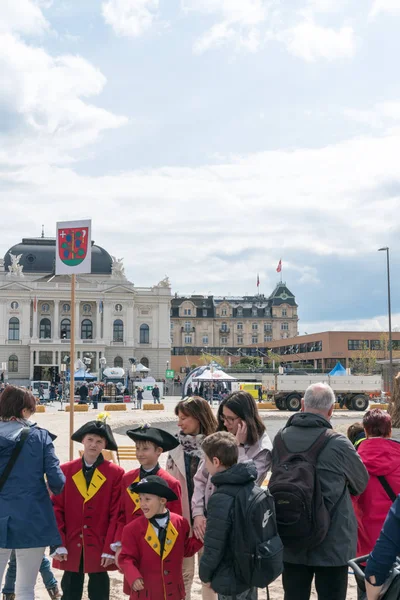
(72, 370)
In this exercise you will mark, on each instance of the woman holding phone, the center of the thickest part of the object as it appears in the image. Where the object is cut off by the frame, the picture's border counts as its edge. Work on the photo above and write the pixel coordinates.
(239, 415)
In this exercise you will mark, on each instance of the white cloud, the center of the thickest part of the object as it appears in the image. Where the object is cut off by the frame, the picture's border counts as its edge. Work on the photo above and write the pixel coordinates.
(309, 41)
(384, 116)
(378, 323)
(23, 16)
(130, 17)
(391, 7)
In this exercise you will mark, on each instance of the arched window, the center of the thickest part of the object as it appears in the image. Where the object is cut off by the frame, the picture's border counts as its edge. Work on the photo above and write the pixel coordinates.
(86, 329)
(13, 363)
(145, 361)
(144, 334)
(45, 329)
(13, 329)
(118, 331)
(118, 362)
(65, 329)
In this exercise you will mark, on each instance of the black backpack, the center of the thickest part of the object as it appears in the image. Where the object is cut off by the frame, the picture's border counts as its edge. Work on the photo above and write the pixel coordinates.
(302, 517)
(257, 547)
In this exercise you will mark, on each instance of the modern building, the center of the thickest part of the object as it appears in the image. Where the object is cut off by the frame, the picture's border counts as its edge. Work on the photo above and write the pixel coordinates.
(224, 325)
(115, 319)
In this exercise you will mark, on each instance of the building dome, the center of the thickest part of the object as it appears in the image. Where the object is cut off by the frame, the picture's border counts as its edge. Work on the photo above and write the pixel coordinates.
(39, 256)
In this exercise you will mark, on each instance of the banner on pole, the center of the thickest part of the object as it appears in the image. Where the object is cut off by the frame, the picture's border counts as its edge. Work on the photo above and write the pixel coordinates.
(73, 247)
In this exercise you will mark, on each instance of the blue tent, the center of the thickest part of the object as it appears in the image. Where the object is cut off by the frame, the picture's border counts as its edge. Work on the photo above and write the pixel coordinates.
(82, 375)
(338, 369)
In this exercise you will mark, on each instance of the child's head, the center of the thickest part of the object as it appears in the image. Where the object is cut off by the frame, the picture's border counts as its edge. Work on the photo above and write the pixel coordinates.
(221, 451)
(154, 493)
(151, 442)
(354, 431)
(93, 445)
(152, 505)
(148, 453)
(95, 437)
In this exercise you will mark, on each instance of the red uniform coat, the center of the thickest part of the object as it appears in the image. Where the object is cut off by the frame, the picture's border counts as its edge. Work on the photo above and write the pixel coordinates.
(381, 457)
(87, 518)
(130, 506)
(140, 558)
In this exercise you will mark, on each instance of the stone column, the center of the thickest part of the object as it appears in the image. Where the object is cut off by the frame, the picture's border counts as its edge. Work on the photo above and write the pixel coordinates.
(98, 335)
(31, 365)
(35, 320)
(77, 320)
(56, 321)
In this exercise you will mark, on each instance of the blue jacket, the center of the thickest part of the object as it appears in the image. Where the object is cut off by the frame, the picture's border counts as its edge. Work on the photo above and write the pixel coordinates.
(387, 547)
(26, 513)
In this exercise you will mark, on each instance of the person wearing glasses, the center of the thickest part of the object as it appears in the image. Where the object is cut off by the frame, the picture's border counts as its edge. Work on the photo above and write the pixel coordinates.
(239, 415)
(196, 420)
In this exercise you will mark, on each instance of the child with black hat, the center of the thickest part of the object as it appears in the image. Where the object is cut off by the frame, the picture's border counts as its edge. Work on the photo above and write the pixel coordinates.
(154, 545)
(87, 513)
(150, 442)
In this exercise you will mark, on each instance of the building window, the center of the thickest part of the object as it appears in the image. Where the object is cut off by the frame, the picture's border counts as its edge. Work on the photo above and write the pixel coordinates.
(172, 338)
(376, 345)
(87, 329)
(357, 344)
(188, 339)
(224, 312)
(254, 312)
(284, 326)
(65, 329)
(144, 334)
(45, 358)
(13, 329)
(145, 362)
(204, 312)
(118, 331)
(284, 312)
(267, 326)
(240, 325)
(224, 340)
(254, 339)
(172, 324)
(45, 307)
(45, 329)
(66, 308)
(224, 326)
(240, 312)
(14, 306)
(254, 326)
(13, 363)
(187, 312)
(240, 339)
(118, 307)
(118, 362)
(267, 338)
(205, 339)
(188, 325)
(87, 309)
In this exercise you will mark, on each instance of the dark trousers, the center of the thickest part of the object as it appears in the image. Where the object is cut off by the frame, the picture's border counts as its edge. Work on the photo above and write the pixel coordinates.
(330, 582)
(72, 585)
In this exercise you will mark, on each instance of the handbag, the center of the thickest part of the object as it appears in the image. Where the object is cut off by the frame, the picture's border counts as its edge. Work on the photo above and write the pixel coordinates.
(13, 458)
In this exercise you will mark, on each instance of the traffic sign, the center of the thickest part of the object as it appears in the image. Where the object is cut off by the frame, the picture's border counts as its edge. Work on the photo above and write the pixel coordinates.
(169, 374)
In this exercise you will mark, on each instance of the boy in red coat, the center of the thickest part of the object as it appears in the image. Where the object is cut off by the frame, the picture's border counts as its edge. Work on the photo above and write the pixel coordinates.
(150, 442)
(87, 513)
(154, 545)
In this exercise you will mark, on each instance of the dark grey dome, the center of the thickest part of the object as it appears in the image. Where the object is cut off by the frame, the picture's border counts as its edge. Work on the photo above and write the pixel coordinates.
(39, 255)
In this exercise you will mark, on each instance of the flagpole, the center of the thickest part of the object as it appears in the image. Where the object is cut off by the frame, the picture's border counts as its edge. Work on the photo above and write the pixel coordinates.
(72, 370)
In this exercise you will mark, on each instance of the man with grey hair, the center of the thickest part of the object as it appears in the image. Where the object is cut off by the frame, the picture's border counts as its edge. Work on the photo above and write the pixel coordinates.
(338, 473)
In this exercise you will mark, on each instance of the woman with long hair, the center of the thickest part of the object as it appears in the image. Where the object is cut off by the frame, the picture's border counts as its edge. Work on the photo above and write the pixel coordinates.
(27, 521)
(196, 420)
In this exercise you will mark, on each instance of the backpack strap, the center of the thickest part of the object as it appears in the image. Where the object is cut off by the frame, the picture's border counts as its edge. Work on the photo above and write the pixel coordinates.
(387, 487)
(14, 456)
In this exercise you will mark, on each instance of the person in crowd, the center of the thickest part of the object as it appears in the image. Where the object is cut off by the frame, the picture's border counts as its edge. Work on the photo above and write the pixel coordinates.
(155, 392)
(50, 582)
(217, 564)
(381, 457)
(87, 514)
(52, 392)
(384, 554)
(356, 434)
(260, 393)
(154, 545)
(95, 396)
(150, 442)
(100, 393)
(139, 397)
(83, 393)
(196, 390)
(27, 519)
(195, 421)
(189, 390)
(41, 393)
(60, 391)
(340, 473)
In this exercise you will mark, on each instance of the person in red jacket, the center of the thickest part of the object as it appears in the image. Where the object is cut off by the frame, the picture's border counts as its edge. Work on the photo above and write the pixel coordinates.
(151, 442)
(381, 457)
(153, 546)
(87, 513)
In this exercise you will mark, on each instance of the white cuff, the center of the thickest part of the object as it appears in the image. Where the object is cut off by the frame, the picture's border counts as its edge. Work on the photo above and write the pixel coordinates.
(114, 547)
(105, 555)
(60, 550)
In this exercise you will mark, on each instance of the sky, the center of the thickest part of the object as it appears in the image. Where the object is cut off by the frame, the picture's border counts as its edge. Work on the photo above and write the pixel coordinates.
(208, 139)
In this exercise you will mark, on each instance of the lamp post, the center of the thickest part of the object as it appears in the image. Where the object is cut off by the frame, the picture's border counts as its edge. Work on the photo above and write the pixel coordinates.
(386, 249)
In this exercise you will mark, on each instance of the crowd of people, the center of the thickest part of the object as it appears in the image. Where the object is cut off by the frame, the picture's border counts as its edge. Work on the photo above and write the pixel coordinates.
(332, 495)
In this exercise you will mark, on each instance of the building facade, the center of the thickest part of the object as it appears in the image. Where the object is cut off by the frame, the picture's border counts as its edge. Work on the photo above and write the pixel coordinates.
(114, 319)
(227, 325)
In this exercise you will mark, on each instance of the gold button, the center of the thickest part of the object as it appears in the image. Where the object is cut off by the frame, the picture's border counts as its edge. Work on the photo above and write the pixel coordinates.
(155, 546)
(149, 538)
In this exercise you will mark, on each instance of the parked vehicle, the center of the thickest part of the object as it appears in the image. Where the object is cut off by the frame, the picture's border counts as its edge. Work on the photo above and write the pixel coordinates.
(46, 389)
(250, 387)
(352, 391)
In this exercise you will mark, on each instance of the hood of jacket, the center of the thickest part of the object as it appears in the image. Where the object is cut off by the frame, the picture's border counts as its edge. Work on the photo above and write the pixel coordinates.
(10, 432)
(380, 455)
(307, 419)
(238, 474)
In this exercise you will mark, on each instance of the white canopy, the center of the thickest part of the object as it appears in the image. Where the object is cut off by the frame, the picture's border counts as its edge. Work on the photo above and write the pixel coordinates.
(114, 373)
(215, 375)
(141, 368)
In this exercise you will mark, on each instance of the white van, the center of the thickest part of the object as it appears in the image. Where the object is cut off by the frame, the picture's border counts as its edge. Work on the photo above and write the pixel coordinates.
(46, 388)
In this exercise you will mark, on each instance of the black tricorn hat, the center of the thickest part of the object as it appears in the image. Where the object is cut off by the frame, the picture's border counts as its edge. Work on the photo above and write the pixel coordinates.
(99, 428)
(153, 485)
(161, 438)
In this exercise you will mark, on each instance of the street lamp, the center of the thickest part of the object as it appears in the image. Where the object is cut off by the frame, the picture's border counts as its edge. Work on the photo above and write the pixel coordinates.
(386, 249)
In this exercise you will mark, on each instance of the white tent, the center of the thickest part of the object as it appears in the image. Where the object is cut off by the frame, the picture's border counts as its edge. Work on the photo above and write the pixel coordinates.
(214, 375)
(141, 368)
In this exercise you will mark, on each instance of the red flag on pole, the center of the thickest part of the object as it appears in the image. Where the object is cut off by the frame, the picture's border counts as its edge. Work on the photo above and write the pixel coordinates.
(279, 267)
(34, 304)
(258, 280)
